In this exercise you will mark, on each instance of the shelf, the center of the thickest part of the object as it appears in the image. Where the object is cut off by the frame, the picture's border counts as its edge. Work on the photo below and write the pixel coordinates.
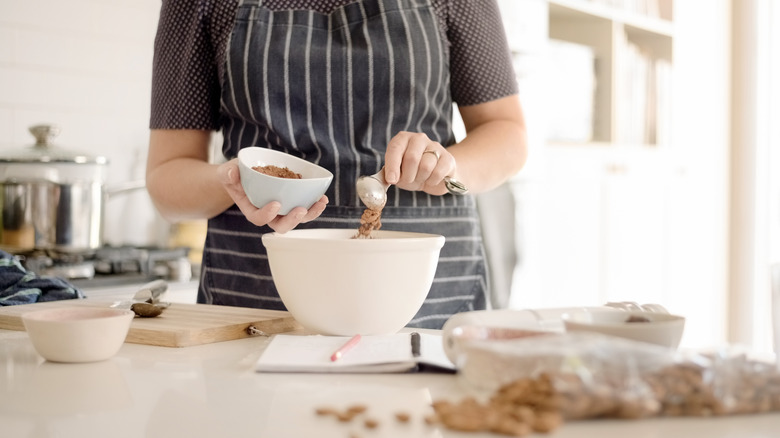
(581, 10)
(648, 25)
(629, 54)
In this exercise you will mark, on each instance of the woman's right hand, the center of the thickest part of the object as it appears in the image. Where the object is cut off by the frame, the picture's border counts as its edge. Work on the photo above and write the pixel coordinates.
(269, 214)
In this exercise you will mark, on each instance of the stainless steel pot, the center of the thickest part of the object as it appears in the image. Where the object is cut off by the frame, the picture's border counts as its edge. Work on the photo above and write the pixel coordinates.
(52, 198)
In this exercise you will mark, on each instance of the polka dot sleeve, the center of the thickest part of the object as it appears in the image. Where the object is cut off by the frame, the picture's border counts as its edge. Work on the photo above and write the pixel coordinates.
(480, 62)
(185, 85)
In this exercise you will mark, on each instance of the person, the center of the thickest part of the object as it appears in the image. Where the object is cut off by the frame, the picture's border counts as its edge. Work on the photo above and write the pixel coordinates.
(354, 86)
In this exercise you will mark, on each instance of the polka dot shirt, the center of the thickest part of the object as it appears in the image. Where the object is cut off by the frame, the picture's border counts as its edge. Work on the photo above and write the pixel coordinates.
(192, 37)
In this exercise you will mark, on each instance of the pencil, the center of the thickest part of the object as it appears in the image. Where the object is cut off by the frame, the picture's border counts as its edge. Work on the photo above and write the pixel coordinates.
(344, 348)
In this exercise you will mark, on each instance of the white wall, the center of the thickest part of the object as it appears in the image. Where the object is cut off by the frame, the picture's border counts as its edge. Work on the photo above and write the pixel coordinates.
(85, 65)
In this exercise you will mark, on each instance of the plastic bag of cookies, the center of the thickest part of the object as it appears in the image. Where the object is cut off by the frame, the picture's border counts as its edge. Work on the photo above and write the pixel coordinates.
(597, 376)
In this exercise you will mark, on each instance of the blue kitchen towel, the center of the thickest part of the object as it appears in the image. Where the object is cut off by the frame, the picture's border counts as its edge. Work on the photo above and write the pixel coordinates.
(19, 286)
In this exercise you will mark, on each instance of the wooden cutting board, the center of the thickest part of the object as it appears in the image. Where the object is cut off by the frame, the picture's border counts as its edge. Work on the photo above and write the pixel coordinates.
(180, 325)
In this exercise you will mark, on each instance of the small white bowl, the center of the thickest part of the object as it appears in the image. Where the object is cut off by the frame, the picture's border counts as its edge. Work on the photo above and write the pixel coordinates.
(459, 340)
(78, 334)
(262, 189)
(333, 284)
(657, 328)
(487, 325)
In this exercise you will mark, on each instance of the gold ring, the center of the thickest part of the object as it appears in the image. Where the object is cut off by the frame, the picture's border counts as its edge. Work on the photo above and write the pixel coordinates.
(429, 151)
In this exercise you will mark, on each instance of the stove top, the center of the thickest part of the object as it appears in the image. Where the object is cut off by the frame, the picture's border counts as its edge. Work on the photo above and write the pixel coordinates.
(111, 265)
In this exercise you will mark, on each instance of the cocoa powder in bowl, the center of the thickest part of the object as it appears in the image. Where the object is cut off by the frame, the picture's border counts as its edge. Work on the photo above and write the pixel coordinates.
(279, 172)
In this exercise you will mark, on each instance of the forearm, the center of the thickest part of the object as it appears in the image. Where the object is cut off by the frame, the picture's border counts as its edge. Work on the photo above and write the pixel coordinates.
(181, 182)
(187, 189)
(495, 147)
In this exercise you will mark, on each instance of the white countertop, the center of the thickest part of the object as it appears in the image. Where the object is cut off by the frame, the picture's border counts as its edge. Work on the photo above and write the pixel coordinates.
(212, 391)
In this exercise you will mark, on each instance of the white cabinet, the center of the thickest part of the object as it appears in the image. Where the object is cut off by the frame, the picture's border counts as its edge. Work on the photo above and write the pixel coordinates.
(559, 242)
(635, 220)
(593, 219)
(618, 214)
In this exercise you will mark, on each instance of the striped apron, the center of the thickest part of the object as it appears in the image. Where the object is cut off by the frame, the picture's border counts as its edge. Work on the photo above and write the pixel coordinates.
(333, 89)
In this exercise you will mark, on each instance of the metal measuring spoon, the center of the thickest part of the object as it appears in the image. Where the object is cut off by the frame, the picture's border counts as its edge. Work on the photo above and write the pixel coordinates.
(146, 301)
(372, 189)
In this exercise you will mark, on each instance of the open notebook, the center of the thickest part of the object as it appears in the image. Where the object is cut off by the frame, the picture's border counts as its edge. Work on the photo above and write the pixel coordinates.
(397, 353)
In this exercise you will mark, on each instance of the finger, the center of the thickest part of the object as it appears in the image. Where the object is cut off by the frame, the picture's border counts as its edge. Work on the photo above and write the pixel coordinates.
(429, 161)
(283, 224)
(316, 210)
(445, 166)
(394, 156)
(228, 174)
(231, 180)
(410, 167)
(260, 216)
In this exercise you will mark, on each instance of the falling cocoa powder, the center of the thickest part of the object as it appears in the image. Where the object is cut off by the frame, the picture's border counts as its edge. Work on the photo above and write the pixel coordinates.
(279, 172)
(369, 221)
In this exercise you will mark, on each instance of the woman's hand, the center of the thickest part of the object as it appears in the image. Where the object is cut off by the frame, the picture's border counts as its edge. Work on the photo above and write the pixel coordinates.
(269, 214)
(493, 150)
(415, 162)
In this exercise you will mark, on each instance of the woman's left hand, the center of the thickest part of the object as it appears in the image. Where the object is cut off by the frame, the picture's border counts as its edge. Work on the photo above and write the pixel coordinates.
(415, 162)
(269, 213)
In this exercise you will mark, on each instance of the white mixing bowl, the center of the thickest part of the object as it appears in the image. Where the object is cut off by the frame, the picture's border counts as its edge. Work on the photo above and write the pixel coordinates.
(336, 285)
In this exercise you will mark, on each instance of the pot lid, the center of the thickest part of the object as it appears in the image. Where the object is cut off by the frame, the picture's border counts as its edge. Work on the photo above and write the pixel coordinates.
(44, 152)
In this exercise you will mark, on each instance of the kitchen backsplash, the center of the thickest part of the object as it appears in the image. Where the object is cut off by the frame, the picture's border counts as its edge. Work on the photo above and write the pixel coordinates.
(85, 65)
